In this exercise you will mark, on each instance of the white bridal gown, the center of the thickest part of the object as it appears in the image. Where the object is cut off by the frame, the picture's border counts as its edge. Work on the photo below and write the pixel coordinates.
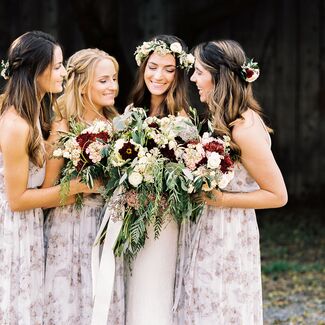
(150, 288)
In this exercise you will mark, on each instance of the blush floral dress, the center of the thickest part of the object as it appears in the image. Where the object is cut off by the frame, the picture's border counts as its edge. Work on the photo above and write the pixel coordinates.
(70, 234)
(21, 258)
(219, 272)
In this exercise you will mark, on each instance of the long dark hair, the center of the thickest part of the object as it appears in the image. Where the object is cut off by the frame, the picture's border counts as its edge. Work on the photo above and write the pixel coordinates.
(176, 98)
(28, 56)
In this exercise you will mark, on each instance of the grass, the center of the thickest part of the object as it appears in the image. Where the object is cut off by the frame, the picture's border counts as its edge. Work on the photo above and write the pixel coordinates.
(292, 237)
(293, 265)
(287, 266)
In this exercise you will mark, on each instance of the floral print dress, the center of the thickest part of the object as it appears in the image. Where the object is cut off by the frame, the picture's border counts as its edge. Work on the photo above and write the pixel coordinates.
(70, 234)
(219, 272)
(21, 258)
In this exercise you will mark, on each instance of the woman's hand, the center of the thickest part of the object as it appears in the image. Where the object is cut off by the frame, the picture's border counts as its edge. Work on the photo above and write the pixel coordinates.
(79, 187)
(214, 198)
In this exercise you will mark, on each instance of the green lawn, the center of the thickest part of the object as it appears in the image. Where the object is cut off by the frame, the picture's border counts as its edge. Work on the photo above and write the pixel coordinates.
(293, 265)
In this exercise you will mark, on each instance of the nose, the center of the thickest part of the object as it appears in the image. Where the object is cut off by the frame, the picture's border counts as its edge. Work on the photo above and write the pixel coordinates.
(193, 78)
(63, 71)
(112, 84)
(158, 74)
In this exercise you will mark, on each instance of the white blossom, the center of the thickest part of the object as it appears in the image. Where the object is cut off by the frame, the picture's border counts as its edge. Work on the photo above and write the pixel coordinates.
(135, 179)
(214, 160)
(225, 179)
(58, 153)
(176, 47)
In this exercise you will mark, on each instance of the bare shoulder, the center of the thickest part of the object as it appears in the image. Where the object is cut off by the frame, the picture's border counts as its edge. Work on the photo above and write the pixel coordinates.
(249, 129)
(13, 125)
(14, 132)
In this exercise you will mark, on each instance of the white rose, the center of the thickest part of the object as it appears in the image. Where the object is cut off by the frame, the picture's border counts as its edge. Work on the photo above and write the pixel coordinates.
(176, 47)
(214, 160)
(190, 58)
(135, 179)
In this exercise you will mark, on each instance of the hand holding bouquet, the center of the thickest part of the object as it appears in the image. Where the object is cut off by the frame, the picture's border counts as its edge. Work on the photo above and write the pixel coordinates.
(83, 149)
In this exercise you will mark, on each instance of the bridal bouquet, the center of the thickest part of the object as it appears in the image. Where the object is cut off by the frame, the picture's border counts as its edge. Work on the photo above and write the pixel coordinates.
(202, 164)
(207, 164)
(137, 161)
(83, 149)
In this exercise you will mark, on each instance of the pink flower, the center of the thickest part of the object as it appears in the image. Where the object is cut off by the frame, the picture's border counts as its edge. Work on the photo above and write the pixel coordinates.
(132, 199)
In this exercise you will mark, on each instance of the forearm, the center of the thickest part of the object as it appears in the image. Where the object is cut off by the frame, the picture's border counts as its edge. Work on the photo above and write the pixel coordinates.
(260, 199)
(69, 200)
(45, 197)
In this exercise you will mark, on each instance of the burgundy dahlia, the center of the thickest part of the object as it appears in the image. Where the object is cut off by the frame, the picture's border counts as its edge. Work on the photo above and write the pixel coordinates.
(249, 73)
(226, 164)
(128, 151)
(214, 146)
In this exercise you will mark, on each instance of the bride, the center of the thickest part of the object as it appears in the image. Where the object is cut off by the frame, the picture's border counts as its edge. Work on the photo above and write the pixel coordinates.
(159, 87)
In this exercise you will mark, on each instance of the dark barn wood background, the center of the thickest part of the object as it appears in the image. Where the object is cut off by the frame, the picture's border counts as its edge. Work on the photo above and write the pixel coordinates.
(286, 37)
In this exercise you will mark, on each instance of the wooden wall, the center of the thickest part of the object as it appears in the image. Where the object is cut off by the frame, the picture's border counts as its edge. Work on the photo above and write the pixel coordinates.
(286, 37)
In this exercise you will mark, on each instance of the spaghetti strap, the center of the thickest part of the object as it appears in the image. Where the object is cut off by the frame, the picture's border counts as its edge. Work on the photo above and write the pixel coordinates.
(265, 128)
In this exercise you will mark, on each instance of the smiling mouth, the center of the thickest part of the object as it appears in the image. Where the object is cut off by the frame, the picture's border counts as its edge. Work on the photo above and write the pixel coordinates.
(157, 84)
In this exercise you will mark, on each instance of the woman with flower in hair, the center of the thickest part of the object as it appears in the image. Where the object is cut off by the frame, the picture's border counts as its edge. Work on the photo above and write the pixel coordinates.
(221, 280)
(34, 69)
(160, 88)
(91, 88)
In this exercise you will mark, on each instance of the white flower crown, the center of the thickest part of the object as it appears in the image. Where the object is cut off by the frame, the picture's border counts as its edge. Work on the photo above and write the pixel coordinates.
(186, 60)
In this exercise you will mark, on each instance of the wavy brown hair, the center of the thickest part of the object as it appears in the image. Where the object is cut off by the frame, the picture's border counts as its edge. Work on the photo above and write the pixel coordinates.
(28, 57)
(176, 98)
(232, 95)
(80, 70)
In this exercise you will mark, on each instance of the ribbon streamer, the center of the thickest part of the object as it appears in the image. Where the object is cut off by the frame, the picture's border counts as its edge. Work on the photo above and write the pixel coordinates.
(103, 268)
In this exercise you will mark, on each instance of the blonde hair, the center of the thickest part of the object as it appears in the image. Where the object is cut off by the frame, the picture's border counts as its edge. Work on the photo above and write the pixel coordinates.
(80, 70)
(231, 96)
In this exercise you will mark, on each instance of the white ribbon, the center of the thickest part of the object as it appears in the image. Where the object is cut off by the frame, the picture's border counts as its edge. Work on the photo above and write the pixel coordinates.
(103, 268)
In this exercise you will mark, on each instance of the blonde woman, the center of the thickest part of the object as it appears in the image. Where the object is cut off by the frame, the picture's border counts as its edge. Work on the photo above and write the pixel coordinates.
(90, 92)
(221, 282)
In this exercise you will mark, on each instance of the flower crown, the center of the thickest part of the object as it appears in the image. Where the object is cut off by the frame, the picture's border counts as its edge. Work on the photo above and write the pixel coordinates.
(186, 60)
(250, 71)
(4, 66)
